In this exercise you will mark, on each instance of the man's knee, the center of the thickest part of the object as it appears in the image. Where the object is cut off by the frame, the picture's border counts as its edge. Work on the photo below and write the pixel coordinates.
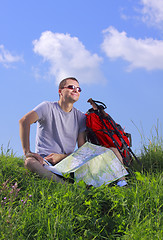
(29, 162)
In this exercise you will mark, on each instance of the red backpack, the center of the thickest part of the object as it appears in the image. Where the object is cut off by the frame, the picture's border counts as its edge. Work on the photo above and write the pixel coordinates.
(102, 130)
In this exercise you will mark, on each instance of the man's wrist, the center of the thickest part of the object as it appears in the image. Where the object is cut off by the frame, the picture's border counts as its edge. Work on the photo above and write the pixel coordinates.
(27, 152)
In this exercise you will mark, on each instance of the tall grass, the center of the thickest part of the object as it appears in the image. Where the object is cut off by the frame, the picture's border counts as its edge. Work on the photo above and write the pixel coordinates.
(33, 208)
(152, 150)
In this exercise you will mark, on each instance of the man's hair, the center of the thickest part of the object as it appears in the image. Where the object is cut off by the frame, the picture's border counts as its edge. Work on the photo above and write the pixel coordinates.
(63, 82)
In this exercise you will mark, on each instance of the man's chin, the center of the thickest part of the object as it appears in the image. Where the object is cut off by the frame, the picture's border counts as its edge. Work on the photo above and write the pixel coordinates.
(75, 98)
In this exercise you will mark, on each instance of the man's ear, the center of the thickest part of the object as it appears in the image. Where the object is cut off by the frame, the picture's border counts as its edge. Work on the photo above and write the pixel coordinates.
(60, 92)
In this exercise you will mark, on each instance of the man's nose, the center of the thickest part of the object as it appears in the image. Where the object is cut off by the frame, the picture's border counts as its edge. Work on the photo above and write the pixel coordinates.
(75, 89)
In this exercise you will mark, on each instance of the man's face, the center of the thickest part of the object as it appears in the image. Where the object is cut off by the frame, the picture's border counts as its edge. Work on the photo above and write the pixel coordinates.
(70, 95)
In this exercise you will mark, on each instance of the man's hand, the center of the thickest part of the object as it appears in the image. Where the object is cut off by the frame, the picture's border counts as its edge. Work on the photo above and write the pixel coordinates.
(36, 156)
(55, 158)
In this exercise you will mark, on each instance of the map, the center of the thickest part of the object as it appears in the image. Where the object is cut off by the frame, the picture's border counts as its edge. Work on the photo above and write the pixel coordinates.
(93, 164)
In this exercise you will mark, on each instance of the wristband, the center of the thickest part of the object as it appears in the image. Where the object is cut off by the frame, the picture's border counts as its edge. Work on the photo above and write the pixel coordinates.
(27, 153)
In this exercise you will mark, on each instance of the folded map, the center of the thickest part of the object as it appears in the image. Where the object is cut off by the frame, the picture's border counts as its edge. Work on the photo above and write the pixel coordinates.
(95, 165)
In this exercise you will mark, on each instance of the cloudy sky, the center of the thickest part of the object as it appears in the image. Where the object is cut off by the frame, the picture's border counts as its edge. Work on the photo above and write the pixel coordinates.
(114, 48)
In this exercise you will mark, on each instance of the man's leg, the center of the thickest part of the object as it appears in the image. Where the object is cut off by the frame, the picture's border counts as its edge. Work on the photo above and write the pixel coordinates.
(118, 155)
(35, 166)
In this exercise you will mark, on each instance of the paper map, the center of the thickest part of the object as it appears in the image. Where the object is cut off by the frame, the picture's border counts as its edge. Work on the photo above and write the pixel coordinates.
(93, 164)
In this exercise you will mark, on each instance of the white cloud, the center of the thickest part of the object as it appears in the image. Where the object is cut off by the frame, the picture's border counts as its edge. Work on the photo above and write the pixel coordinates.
(153, 12)
(68, 57)
(140, 53)
(6, 58)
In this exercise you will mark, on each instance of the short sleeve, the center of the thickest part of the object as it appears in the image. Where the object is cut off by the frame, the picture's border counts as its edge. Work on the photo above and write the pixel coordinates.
(41, 110)
(82, 122)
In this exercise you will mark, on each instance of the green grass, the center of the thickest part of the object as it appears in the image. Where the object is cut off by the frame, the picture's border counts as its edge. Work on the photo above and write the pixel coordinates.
(33, 208)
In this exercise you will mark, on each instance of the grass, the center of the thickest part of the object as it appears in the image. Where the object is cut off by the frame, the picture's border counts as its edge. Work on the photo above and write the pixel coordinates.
(33, 208)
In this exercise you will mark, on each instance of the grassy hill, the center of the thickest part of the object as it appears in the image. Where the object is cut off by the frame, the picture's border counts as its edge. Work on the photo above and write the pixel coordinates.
(33, 208)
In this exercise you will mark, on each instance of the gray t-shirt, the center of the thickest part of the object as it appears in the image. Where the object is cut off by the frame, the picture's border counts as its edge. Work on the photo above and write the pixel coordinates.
(57, 130)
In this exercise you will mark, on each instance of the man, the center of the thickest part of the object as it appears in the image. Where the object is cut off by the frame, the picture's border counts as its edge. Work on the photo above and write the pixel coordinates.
(60, 127)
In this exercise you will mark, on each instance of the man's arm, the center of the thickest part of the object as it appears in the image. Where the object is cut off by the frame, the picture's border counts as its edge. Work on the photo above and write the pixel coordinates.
(81, 138)
(24, 129)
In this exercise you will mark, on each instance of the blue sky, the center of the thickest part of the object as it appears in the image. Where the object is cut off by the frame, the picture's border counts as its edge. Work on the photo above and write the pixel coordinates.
(114, 48)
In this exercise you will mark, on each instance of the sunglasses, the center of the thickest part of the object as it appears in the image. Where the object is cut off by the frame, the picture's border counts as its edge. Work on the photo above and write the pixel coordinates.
(73, 87)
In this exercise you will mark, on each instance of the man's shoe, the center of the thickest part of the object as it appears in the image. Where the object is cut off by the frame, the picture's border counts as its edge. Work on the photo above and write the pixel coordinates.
(121, 183)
